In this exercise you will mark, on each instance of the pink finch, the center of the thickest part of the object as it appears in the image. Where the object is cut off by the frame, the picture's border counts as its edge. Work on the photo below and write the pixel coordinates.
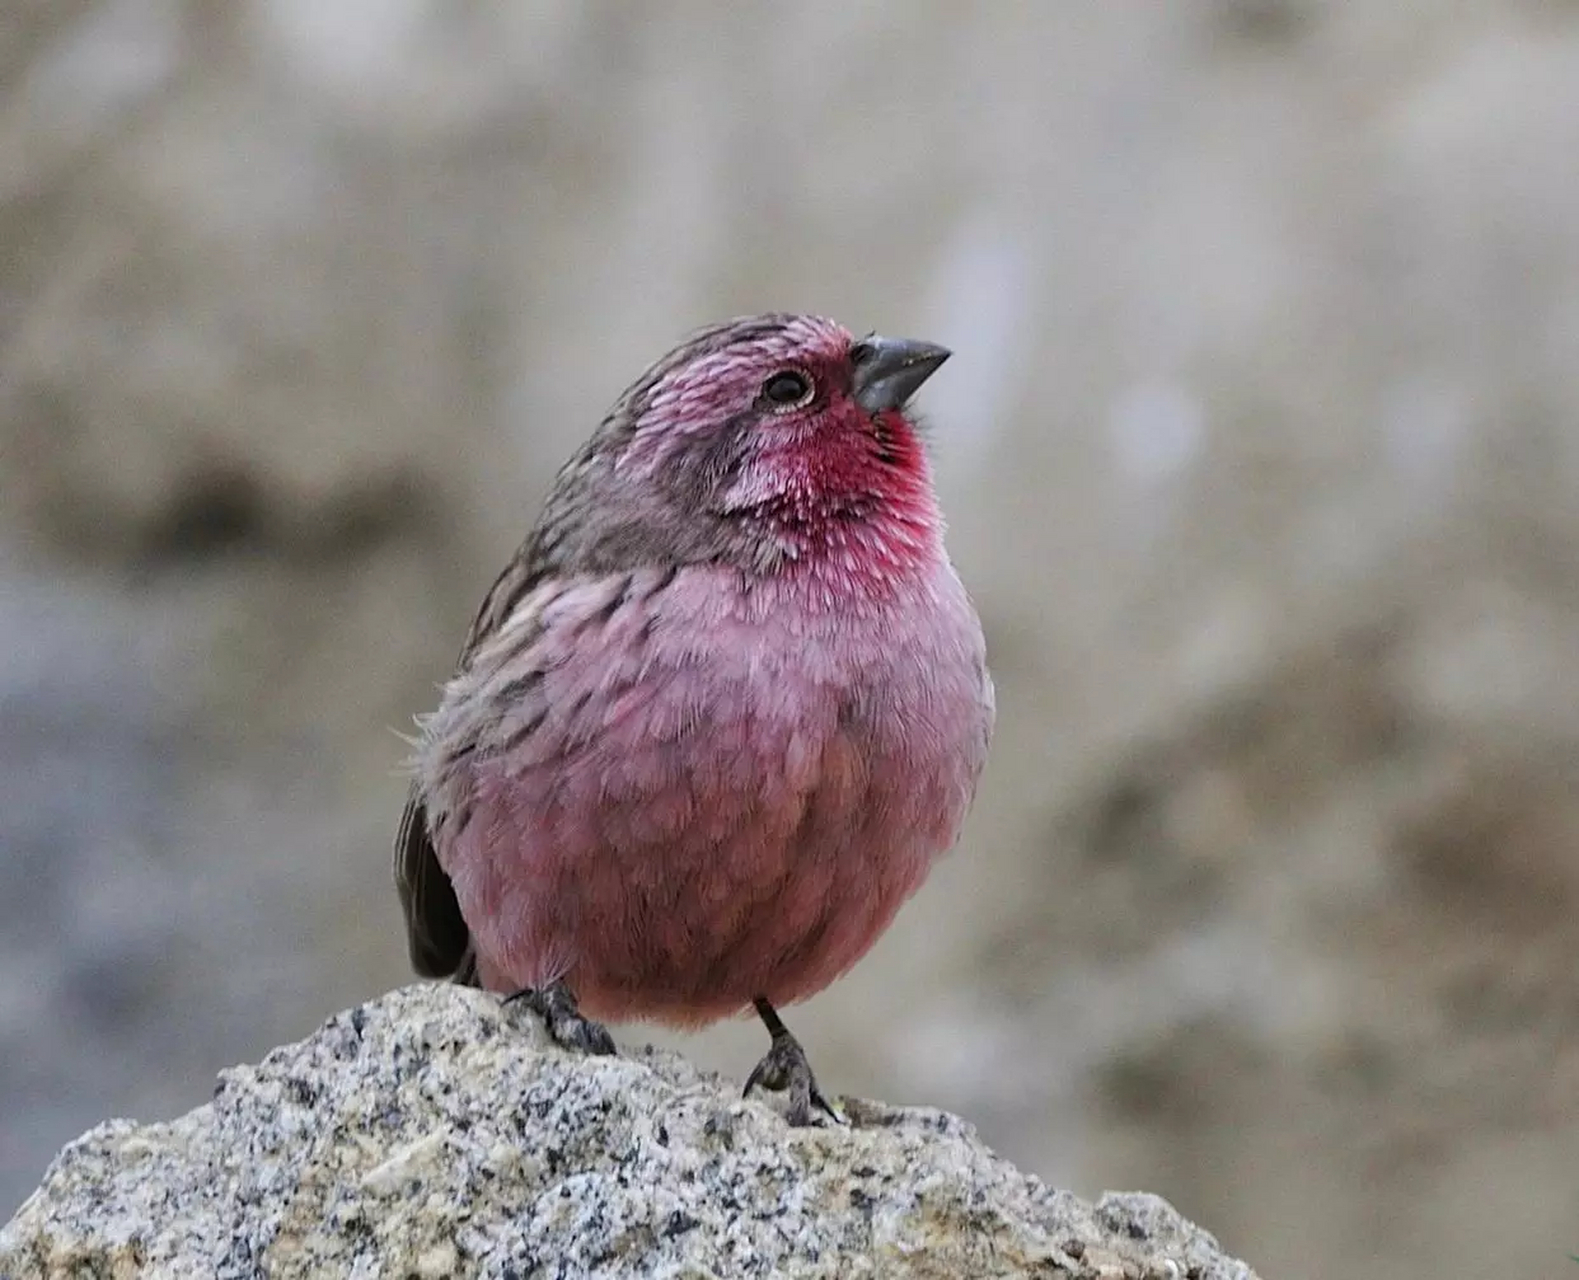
(721, 713)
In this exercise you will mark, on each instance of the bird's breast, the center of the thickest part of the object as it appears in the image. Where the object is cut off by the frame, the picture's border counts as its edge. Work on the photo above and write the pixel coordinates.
(714, 791)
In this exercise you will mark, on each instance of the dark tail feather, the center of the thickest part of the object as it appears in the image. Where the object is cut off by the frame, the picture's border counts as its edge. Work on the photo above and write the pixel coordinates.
(436, 933)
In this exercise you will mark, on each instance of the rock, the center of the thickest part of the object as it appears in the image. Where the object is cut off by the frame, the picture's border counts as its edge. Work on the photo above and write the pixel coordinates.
(431, 1133)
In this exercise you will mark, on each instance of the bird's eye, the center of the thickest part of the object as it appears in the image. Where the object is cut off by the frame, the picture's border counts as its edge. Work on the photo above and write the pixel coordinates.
(787, 388)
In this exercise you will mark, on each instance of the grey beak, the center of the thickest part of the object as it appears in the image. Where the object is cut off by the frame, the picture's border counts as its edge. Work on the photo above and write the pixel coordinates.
(888, 370)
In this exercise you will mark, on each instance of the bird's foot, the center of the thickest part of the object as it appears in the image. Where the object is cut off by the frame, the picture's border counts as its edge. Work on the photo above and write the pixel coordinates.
(785, 1069)
(557, 1007)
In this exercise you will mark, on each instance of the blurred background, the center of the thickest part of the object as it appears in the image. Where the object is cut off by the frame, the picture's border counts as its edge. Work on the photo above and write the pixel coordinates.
(1261, 453)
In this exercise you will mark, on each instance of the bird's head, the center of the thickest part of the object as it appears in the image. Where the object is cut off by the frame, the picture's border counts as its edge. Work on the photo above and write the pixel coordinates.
(785, 440)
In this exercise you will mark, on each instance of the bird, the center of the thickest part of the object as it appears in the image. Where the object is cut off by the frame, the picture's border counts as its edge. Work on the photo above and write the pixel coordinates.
(721, 713)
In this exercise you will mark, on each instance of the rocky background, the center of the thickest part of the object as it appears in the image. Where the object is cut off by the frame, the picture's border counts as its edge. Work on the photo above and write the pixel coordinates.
(1261, 449)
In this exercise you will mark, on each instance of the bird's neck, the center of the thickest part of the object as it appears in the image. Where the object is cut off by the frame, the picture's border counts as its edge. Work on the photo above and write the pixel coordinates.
(850, 524)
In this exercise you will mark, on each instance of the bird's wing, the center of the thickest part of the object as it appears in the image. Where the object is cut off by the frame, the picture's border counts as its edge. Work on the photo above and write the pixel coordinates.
(436, 934)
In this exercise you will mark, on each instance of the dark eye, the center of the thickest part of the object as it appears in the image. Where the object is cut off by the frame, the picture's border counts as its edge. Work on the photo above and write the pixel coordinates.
(787, 388)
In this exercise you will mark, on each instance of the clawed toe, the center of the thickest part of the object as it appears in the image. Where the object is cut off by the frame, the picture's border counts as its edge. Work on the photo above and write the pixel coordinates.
(566, 1026)
(785, 1069)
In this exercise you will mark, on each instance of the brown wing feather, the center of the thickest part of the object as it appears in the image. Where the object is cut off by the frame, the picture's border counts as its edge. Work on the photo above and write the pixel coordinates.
(437, 937)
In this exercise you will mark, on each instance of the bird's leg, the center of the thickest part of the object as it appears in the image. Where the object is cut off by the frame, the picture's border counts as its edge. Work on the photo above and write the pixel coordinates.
(784, 1068)
(557, 1007)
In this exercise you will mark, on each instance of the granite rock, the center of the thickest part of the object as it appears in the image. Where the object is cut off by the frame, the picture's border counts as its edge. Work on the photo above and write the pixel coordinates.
(434, 1133)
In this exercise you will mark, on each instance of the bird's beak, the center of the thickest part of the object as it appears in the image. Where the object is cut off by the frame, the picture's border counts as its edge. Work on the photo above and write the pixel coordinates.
(889, 370)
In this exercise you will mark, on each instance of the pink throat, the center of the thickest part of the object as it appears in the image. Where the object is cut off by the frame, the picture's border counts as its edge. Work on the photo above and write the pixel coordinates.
(851, 521)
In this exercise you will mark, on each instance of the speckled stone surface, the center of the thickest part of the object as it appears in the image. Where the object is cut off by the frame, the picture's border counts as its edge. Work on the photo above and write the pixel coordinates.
(431, 1133)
